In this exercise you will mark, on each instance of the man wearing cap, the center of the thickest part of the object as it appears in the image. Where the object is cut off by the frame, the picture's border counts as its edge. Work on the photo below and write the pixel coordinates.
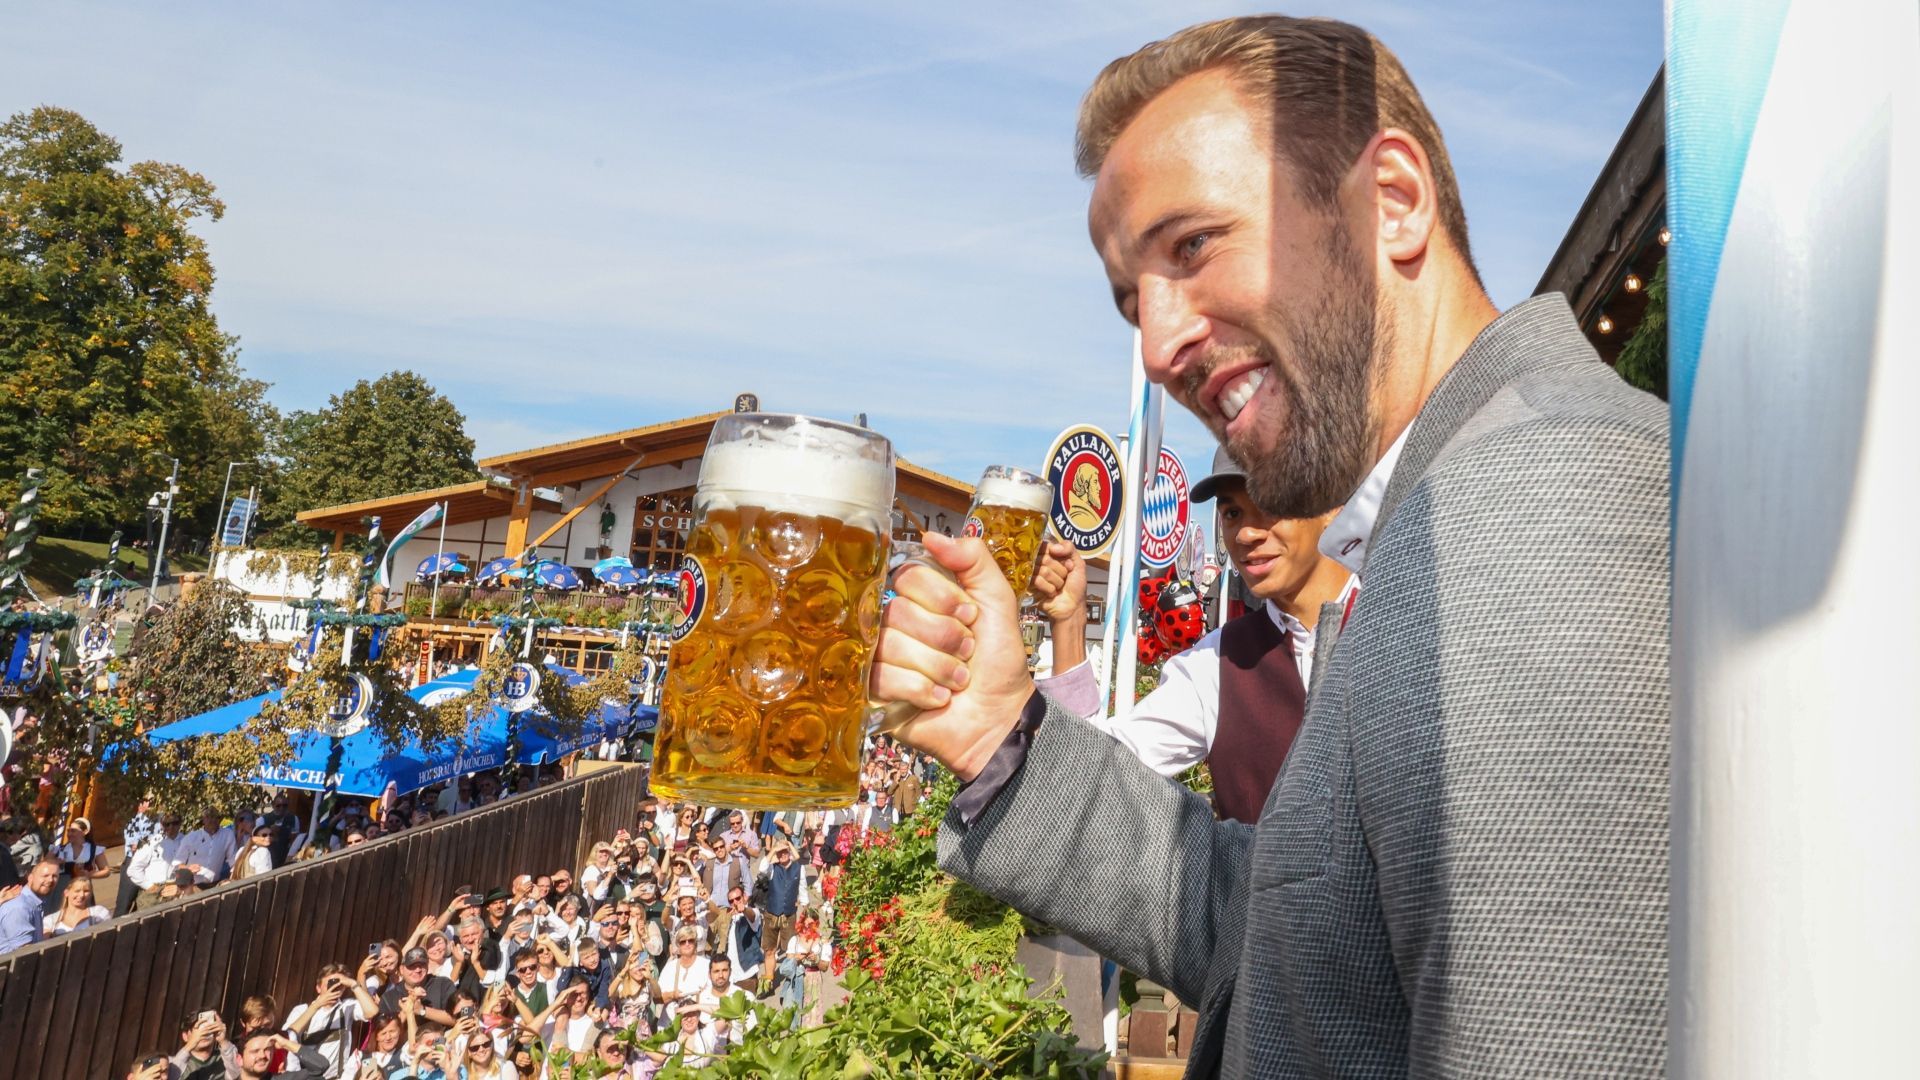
(432, 991)
(1235, 700)
(785, 886)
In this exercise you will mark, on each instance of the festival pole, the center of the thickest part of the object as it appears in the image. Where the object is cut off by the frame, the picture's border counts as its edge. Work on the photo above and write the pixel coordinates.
(510, 769)
(362, 593)
(21, 531)
(1142, 457)
(439, 552)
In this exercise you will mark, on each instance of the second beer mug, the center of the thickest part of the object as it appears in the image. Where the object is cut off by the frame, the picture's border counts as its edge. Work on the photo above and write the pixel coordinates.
(1010, 513)
(766, 693)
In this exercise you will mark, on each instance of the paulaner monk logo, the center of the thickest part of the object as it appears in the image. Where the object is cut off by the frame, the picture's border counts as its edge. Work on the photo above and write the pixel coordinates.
(693, 597)
(1089, 493)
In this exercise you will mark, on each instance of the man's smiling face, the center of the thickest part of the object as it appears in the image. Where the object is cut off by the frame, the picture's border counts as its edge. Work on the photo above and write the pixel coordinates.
(1256, 307)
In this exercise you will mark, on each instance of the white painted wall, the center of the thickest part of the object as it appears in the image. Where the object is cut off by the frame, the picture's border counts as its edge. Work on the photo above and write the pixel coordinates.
(272, 618)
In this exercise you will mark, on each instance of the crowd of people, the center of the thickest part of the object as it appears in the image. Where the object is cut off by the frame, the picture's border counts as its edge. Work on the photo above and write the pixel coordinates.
(528, 978)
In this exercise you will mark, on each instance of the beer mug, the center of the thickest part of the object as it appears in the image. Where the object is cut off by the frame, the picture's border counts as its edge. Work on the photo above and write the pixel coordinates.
(765, 704)
(1010, 513)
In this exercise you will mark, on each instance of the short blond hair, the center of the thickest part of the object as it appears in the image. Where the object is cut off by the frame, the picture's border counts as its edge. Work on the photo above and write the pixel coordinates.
(1335, 84)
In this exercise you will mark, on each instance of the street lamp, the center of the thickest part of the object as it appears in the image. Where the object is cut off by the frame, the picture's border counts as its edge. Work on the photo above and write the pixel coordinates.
(163, 502)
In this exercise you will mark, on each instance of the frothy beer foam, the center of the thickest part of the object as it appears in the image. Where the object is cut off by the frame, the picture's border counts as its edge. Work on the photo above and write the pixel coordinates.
(1006, 491)
(808, 467)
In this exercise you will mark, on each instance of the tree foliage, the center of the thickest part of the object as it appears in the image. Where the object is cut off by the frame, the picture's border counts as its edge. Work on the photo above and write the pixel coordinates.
(383, 437)
(185, 659)
(1643, 360)
(111, 360)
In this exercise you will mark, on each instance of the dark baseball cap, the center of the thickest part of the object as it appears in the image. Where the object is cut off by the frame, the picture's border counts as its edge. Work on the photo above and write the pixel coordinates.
(1224, 468)
(414, 956)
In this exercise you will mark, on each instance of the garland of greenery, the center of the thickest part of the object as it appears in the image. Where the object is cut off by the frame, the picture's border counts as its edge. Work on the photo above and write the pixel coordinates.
(298, 562)
(328, 617)
(394, 715)
(35, 622)
(566, 708)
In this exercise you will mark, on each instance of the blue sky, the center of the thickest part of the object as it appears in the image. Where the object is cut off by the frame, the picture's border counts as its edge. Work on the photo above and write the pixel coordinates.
(585, 217)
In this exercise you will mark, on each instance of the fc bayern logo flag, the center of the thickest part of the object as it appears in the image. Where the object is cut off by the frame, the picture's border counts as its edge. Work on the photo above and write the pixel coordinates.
(1164, 513)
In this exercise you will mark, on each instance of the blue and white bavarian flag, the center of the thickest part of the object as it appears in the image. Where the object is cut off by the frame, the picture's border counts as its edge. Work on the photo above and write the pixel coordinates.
(1794, 285)
(414, 528)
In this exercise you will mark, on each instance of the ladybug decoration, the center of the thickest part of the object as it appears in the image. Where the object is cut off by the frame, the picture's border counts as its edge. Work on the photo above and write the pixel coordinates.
(1150, 591)
(1179, 617)
(1148, 647)
(1172, 618)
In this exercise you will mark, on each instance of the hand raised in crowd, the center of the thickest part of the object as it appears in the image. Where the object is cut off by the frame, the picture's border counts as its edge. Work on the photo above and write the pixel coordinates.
(209, 1025)
(1060, 582)
(160, 1069)
(331, 994)
(953, 649)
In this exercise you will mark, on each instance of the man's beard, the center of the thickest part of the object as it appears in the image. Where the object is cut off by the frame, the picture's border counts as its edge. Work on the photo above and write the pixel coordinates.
(1326, 447)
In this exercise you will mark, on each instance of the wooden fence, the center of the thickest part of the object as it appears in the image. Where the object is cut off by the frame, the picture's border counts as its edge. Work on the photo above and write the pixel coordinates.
(81, 1007)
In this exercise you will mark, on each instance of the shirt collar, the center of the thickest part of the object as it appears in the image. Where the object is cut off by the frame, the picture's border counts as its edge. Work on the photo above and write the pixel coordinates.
(1287, 622)
(1346, 537)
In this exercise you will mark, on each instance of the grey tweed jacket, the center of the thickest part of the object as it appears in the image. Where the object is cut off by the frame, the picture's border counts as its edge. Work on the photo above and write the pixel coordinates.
(1462, 869)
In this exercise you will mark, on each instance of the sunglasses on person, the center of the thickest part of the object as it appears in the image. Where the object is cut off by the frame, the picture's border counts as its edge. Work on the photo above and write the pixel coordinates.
(523, 969)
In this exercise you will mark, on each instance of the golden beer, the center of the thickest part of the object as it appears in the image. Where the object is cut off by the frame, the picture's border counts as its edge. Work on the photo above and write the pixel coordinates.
(1010, 513)
(765, 703)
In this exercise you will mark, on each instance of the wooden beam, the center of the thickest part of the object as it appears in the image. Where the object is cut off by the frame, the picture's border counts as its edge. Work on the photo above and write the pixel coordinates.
(568, 517)
(517, 523)
(575, 474)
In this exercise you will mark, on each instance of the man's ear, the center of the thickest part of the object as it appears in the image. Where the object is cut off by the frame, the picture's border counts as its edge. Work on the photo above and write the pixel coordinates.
(1406, 202)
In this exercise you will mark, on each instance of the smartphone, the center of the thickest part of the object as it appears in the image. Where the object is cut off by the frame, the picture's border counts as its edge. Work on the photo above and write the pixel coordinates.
(476, 900)
(373, 949)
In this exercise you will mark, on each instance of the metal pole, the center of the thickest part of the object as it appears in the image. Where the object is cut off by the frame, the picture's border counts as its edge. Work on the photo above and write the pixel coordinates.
(433, 605)
(246, 523)
(166, 520)
(222, 526)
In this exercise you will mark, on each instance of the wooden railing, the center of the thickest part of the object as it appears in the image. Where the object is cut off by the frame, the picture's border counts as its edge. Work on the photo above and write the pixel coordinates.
(81, 1007)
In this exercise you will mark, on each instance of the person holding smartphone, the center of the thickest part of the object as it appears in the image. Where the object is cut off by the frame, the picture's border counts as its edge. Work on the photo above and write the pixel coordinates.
(204, 1049)
(340, 1000)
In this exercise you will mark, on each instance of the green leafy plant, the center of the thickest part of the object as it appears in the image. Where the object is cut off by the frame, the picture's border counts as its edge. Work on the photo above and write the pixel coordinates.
(1643, 360)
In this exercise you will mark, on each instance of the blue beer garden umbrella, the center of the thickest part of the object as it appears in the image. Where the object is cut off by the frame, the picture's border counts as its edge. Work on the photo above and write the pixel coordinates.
(556, 575)
(447, 562)
(618, 575)
(497, 568)
(600, 568)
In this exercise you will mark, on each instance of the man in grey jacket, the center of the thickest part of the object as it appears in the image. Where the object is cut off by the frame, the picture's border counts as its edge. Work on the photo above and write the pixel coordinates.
(1462, 868)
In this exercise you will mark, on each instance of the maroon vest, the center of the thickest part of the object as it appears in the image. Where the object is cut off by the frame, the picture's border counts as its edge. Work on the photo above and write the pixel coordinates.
(1261, 705)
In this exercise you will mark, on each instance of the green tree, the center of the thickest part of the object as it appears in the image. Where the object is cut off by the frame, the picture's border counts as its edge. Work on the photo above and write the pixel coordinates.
(186, 659)
(389, 436)
(1643, 360)
(110, 358)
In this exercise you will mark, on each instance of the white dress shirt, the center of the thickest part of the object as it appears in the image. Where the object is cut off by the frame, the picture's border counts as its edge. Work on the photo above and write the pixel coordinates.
(209, 851)
(1347, 535)
(155, 862)
(1172, 729)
